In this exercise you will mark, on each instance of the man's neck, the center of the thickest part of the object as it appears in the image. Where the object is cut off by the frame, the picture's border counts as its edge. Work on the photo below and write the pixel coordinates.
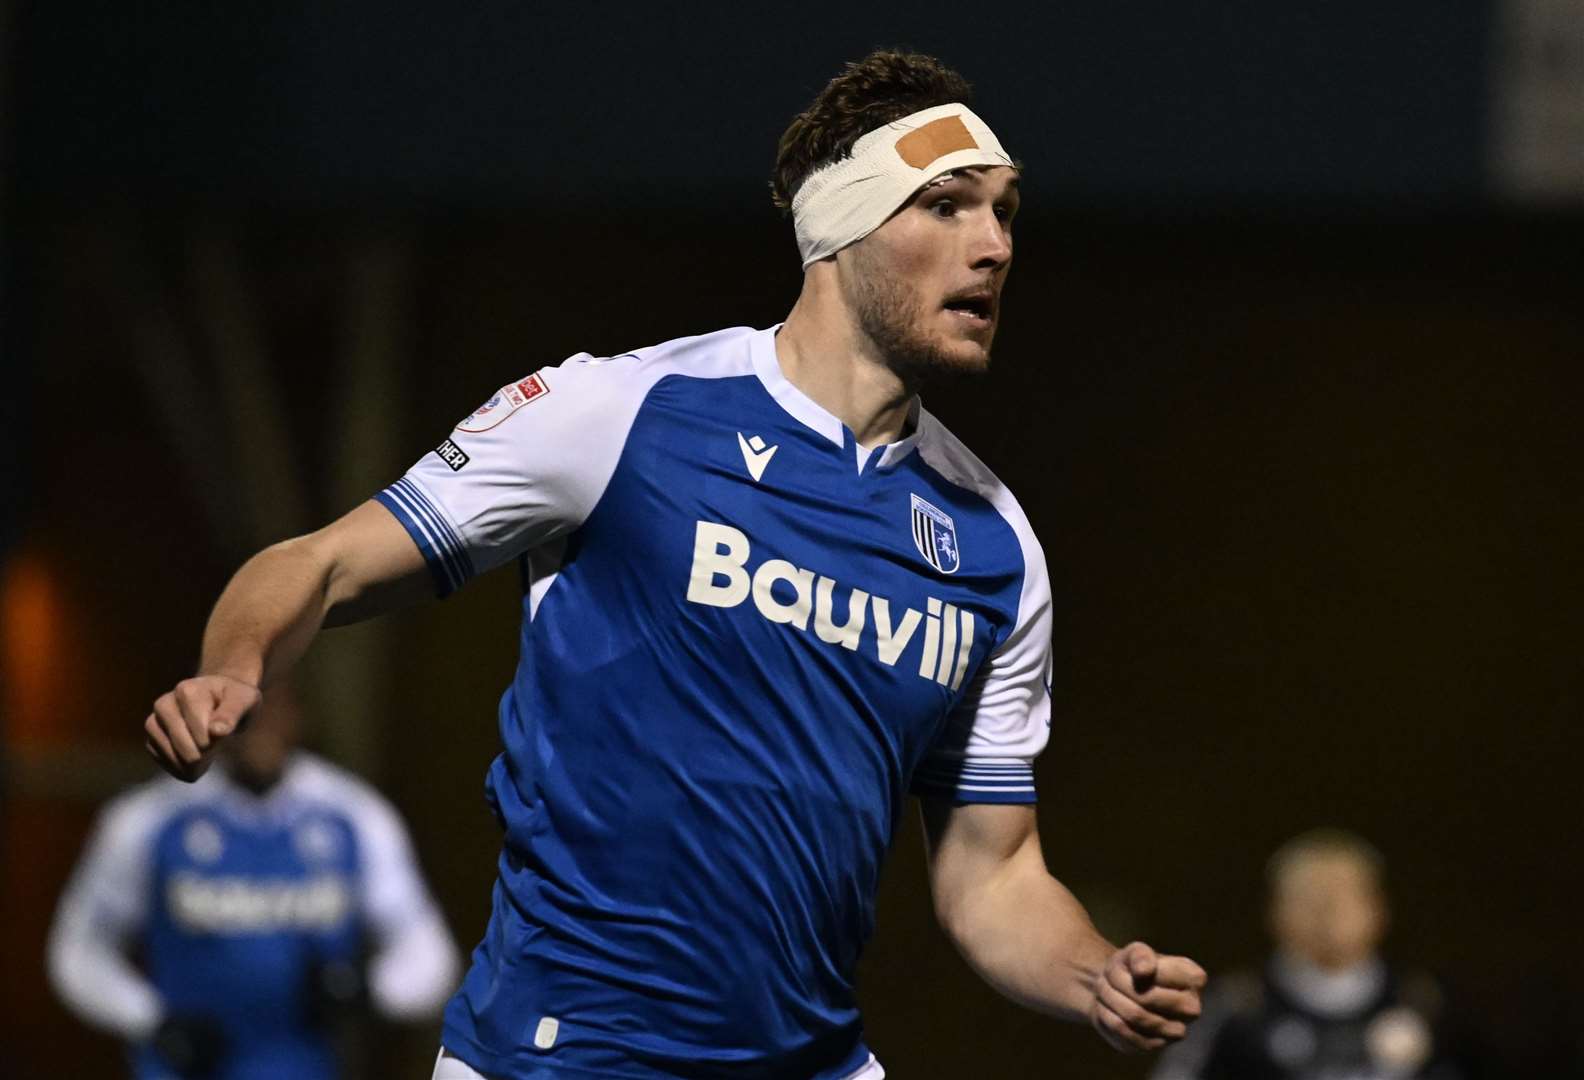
(1329, 991)
(824, 353)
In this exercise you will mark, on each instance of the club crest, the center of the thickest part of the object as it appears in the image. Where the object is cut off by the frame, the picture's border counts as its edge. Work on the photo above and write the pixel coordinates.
(935, 536)
(203, 841)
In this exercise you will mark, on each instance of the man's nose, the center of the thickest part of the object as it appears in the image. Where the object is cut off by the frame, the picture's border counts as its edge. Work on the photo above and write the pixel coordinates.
(991, 244)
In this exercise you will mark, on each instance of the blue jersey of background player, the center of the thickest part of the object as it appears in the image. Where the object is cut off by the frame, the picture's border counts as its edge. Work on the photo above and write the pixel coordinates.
(770, 595)
(261, 902)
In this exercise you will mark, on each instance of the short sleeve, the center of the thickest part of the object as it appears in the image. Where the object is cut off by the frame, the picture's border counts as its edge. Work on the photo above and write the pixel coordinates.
(527, 466)
(985, 752)
(112, 877)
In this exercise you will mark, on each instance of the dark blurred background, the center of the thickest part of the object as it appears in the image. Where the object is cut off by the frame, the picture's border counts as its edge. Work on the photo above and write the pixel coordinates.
(1289, 383)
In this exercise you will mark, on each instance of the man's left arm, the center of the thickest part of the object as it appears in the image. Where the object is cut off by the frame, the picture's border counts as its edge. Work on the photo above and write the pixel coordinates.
(1026, 935)
(414, 966)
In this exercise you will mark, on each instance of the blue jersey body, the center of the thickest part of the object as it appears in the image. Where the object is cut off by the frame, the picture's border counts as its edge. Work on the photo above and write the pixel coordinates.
(745, 641)
(244, 911)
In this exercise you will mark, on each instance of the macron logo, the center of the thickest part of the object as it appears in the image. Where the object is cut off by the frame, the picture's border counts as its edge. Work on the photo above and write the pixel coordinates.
(755, 455)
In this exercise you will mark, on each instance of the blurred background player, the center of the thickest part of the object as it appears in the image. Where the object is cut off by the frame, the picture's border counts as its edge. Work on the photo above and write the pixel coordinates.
(1326, 1006)
(262, 902)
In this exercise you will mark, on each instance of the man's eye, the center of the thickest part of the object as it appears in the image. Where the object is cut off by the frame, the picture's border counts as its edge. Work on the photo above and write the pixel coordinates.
(943, 208)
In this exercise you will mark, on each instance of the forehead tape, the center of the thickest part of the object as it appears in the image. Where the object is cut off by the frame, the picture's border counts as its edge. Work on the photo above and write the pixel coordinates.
(845, 201)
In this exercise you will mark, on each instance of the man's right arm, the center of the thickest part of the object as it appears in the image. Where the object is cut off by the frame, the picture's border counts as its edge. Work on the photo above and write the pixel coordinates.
(103, 908)
(525, 468)
(358, 566)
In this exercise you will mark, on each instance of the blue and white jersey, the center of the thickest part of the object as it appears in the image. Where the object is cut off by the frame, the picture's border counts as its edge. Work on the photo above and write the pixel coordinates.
(234, 901)
(745, 639)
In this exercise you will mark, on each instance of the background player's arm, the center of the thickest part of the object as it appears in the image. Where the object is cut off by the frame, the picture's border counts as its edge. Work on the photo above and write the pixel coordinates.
(415, 963)
(1026, 935)
(360, 565)
(100, 912)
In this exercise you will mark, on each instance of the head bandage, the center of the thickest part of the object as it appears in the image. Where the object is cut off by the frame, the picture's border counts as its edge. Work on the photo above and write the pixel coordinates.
(845, 201)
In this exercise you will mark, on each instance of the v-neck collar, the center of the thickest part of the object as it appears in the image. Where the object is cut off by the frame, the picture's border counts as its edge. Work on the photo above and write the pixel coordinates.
(811, 414)
(274, 805)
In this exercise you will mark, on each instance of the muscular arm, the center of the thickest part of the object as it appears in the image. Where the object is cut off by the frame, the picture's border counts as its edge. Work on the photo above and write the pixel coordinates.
(358, 566)
(361, 565)
(1026, 935)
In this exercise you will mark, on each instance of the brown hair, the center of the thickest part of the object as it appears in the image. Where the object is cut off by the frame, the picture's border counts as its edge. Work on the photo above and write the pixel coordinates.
(1323, 842)
(886, 85)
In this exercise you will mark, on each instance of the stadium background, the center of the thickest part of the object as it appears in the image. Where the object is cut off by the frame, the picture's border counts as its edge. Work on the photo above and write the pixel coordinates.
(1288, 381)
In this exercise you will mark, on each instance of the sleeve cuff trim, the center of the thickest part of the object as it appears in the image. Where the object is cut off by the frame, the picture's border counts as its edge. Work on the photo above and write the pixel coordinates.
(441, 547)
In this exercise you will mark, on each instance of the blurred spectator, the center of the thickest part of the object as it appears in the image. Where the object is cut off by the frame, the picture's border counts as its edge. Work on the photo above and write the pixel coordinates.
(264, 903)
(1326, 1006)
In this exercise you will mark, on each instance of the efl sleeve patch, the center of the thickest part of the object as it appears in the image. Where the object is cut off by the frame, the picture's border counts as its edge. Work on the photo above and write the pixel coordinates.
(507, 400)
(492, 490)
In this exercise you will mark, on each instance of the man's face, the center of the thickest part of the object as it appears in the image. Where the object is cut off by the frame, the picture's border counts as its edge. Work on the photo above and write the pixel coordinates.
(256, 755)
(1329, 909)
(926, 286)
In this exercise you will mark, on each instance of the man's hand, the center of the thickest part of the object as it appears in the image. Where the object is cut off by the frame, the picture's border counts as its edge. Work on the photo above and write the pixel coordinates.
(189, 722)
(191, 1043)
(1144, 1000)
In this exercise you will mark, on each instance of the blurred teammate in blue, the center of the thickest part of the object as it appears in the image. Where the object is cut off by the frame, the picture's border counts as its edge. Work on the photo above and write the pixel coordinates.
(769, 595)
(1326, 1006)
(262, 902)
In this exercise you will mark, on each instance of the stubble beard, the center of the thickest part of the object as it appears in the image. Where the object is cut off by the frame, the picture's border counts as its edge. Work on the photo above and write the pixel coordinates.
(892, 317)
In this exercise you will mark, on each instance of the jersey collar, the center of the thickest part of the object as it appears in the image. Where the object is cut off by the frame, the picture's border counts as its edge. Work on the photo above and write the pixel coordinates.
(808, 412)
(1328, 993)
(279, 802)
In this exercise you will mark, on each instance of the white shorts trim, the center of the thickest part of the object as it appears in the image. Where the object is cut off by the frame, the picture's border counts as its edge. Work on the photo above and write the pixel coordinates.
(870, 1071)
(454, 1068)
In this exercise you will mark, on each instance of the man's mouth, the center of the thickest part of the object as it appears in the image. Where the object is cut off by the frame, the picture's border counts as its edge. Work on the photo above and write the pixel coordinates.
(977, 306)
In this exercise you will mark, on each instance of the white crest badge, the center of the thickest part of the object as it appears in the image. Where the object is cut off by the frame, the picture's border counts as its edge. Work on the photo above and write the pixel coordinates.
(316, 842)
(935, 536)
(202, 841)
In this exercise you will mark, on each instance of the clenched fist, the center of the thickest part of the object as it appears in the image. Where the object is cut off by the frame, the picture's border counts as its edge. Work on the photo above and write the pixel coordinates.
(1144, 1000)
(189, 722)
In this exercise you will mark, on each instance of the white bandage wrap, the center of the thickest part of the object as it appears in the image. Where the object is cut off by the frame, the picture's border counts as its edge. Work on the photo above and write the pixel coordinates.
(845, 201)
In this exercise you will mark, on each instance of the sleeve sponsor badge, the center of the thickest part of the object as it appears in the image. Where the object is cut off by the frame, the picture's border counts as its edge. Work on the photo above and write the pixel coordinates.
(507, 400)
(453, 455)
